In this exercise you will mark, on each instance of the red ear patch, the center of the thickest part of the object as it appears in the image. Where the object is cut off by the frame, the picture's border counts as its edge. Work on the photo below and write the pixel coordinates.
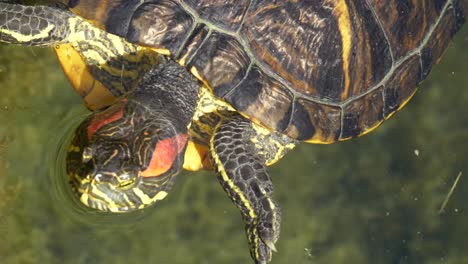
(164, 155)
(108, 116)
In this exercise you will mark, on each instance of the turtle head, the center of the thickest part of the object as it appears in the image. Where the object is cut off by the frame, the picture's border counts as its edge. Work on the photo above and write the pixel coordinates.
(126, 157)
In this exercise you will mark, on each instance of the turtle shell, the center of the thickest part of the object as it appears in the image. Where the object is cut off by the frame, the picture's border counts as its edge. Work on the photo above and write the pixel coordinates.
(318, 71)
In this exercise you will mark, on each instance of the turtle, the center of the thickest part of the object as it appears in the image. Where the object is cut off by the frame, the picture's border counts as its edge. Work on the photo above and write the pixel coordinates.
(228, 85)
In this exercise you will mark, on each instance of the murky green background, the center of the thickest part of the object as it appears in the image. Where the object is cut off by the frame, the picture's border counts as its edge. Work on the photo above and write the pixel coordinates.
(370, 200)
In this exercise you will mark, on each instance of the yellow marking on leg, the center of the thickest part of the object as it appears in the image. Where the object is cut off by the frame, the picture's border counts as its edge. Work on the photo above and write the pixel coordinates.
(164, 52)
(29, 38)
(266, 140)
(273, 207)
(106, 47)
(226, 178)
(236, 189)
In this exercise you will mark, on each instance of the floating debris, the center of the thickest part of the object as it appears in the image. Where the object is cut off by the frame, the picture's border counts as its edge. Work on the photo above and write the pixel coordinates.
(444, 204)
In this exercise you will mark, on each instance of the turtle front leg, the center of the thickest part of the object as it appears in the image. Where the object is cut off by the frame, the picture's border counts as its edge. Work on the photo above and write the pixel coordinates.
(240, 153)
(34, 25)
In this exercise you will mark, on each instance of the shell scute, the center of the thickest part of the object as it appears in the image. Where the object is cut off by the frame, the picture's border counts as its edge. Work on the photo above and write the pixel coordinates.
(221, 62)
(259, 95)
(318, 71)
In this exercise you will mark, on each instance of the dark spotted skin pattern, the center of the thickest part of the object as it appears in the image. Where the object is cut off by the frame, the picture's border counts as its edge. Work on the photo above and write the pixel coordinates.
(112, 147)
(244, 177)
(36, 25)
(320, 71)
(51, 26)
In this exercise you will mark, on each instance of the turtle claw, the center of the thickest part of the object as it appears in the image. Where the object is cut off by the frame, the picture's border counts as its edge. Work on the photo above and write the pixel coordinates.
(262, 240)
(266, 248)
(270, 244)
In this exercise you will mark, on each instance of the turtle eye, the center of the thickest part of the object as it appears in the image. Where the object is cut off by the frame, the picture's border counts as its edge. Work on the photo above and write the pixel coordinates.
(125, 177)
(87, 154)
(126, 181)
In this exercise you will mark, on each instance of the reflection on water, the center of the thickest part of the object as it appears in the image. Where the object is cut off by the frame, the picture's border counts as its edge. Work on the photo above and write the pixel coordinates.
(371, 200)
(63, 199)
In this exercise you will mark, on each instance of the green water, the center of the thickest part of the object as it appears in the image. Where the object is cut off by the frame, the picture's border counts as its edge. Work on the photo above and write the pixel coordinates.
(371, 200)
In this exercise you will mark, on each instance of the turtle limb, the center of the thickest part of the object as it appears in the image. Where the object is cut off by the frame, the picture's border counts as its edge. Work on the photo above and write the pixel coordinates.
(100, 66)
(240, 164)
(34, 25)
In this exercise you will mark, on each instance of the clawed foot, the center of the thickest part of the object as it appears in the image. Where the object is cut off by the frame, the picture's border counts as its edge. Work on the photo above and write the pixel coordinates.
(243, 174)
(263, 232)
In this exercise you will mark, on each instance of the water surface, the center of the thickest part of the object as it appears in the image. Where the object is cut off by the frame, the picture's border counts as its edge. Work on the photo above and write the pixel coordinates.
(370, 200)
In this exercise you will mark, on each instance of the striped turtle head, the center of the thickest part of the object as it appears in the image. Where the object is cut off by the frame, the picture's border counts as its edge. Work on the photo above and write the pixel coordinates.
(124, 158)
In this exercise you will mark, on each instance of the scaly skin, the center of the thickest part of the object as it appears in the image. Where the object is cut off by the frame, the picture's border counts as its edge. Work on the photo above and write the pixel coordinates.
(34, 25)
(105, 165)
(244, 177)
(114, 63)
